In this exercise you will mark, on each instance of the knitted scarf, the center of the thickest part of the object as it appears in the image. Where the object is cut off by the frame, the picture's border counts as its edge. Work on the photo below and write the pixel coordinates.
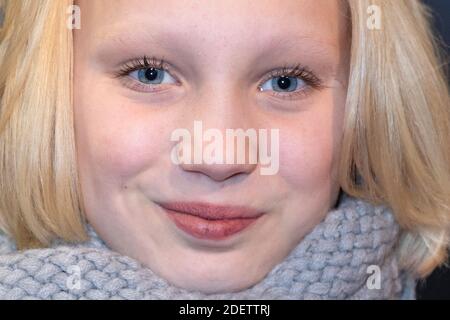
(348, 255)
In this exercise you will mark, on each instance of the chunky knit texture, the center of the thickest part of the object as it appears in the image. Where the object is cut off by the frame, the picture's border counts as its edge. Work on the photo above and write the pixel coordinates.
(334, 261)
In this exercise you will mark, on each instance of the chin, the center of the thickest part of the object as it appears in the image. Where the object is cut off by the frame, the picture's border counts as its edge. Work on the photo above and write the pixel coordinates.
(211, 280)
(226, 285)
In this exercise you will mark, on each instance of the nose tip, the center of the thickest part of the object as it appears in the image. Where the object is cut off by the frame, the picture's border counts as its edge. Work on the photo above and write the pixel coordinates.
(220, 172)
(218, 154)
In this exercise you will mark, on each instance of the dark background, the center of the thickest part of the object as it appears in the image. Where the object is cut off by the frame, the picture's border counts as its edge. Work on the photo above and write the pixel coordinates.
(437, 285)
(441, 11)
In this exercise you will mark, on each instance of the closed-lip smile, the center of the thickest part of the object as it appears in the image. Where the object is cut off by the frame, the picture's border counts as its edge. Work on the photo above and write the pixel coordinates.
(210, 221)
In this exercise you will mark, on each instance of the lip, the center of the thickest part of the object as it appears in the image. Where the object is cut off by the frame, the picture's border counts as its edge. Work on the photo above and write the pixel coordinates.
(209, 221)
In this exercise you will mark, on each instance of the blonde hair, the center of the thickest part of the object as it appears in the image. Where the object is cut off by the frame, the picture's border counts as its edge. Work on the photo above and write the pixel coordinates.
(395, 147)
(39, 191)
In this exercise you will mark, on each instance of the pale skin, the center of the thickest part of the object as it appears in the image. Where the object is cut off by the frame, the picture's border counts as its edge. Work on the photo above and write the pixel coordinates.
(219, 52)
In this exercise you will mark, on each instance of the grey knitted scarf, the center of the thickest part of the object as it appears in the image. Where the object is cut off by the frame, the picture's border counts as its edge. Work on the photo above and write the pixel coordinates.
(349, 255)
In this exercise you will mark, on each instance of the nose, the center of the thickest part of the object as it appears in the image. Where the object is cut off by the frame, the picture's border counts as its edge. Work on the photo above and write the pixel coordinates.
(222, 125)
(220, 172)
(231, 152)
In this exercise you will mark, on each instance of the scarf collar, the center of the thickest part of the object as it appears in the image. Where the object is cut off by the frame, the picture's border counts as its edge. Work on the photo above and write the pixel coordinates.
(350, 254)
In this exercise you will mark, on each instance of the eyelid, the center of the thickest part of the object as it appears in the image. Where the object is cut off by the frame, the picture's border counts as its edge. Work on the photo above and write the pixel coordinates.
(299, 71)
(132, 65)
(142, 87)
(143, 63)
(296, 71)
(312, 82)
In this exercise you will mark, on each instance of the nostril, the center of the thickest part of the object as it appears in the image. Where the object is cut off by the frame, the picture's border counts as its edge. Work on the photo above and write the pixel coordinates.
(230, 176)
(221, 172)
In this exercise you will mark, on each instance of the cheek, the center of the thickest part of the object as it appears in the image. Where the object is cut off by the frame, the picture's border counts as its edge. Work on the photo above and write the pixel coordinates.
(122, 148)
(115, 141)
(309, 150)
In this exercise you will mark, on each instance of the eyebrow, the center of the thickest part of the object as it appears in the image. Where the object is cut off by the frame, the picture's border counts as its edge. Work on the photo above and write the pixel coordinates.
(121, 40)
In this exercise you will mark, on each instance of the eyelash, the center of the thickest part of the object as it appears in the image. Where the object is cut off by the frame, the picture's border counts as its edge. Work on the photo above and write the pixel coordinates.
(141, 63)
(312, 82)
(138, 64)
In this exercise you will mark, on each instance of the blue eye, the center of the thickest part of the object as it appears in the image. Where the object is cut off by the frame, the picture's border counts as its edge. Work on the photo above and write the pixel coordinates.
(283, 84)
(152, 76)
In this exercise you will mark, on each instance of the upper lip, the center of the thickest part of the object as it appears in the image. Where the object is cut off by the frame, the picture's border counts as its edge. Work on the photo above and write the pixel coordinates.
(212, 211)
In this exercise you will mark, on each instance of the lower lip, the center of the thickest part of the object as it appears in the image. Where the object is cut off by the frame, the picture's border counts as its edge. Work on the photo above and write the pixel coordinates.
(208, 229)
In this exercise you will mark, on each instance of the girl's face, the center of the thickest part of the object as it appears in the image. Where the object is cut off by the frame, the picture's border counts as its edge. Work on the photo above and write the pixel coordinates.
(226, 64)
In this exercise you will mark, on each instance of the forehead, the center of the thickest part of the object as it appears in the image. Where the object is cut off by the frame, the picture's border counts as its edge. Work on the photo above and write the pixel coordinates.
(225, 22)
